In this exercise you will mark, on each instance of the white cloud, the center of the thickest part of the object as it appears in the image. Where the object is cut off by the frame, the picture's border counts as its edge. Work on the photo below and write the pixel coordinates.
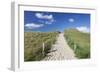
(83, 29)
(45, 18)
(50, 21)
(33, 25)
(42, 16)
(71, 20)
(47, 22)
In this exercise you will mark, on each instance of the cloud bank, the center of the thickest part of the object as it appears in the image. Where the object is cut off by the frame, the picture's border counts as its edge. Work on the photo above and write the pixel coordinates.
(42, 16)
(45, 18)
(33, 25)
(83, 29)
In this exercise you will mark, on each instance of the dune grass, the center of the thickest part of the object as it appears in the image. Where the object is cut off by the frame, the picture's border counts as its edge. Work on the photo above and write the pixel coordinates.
(80, 40)
(33, 44)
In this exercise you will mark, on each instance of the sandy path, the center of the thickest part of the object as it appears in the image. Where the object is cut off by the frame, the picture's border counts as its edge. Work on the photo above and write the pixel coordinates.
(60, 50)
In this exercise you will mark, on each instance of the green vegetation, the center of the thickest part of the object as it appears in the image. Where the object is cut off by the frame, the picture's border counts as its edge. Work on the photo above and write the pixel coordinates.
(33, 44)
(80, 42)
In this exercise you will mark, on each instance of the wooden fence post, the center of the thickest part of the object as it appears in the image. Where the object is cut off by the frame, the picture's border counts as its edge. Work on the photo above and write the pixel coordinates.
(74, 46)
(43, 46)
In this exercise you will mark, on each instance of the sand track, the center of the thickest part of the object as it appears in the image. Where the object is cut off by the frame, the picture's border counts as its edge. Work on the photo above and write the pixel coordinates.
(60, 50)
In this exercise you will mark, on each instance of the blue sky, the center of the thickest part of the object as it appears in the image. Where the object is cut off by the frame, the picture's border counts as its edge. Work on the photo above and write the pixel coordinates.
(55, 21)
